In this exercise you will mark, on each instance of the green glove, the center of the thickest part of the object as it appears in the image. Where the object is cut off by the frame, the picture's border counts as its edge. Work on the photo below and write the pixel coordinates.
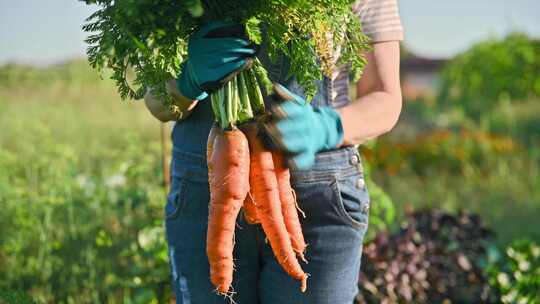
(216, 52)
(301, 130)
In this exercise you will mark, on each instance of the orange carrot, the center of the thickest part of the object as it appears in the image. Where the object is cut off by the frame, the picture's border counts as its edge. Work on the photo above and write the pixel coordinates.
(264, 188)
(250, 211)
(289, 205)
(228, 175)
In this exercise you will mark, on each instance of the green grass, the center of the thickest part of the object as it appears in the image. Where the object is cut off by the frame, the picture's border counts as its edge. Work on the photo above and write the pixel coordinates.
(80, 190)
(72, 104)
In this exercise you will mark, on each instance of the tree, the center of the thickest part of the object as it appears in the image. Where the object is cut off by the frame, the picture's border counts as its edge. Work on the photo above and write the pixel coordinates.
(490, 71)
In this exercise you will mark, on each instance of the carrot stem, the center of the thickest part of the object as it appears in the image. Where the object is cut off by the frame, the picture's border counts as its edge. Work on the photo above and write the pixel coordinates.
(234, 99)
(245, 112)
(254, 92)
(238, 101)
(214, 98)
(228, 103)
(262, 76)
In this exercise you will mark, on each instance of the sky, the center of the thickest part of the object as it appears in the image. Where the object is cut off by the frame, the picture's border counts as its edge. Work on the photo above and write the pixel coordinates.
(42, 32)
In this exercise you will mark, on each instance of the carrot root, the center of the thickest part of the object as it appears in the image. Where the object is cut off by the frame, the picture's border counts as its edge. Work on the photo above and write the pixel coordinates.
(296, 204)
(272, 202)
(289, 205)
(266, 193)
(228, 175)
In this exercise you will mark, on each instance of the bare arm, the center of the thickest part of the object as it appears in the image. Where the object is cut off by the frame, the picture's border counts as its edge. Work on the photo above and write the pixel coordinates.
(182, 106)
(377, 108)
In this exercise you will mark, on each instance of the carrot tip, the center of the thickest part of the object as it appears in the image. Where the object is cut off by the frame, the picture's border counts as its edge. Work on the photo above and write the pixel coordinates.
(303, 286)
(300, 254)
(227, 294)
(302, 257)
(296, 204)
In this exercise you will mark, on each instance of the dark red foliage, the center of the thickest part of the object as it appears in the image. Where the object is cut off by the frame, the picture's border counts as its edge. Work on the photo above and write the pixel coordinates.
(436, 257)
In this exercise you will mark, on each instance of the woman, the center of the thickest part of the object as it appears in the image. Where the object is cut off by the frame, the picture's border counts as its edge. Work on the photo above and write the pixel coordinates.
(328, 177)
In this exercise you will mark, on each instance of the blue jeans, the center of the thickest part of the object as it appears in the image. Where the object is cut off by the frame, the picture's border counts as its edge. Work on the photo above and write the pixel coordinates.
(336, 203)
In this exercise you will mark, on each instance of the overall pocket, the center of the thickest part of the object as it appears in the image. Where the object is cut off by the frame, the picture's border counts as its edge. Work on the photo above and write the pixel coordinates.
(352, 199)
(331, 198)
(189, 195)
(175, 198)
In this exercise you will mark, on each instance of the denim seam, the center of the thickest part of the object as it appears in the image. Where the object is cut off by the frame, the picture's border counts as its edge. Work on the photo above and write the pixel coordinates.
(322, 176)
(179, 200)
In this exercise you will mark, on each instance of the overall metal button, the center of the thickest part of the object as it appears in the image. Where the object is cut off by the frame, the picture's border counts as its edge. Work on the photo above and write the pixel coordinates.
(365, 208)
(360, 183)
(355, 160)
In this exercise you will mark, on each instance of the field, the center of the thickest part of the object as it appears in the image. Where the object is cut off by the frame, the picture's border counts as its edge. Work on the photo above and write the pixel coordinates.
(82, 199)
(81, 189)
(463, 167)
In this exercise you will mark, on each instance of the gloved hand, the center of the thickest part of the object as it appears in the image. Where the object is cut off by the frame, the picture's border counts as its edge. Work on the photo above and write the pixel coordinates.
(216, 53)
(301, 130)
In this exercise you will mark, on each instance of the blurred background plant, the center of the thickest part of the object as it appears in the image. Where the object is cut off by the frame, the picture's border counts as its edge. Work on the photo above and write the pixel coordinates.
(453, 186)
(435, 257)
(470, 141)
(516, 275)
(81, 204)
(19, 297)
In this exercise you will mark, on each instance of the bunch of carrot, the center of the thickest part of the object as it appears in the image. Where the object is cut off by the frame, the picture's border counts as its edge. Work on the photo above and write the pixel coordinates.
(243, 173)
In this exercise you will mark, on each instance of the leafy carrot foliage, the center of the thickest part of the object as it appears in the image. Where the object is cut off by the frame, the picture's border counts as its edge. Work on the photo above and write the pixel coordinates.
(148, 39)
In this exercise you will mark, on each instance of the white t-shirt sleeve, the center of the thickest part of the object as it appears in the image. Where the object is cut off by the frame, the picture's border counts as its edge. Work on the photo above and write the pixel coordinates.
(380, 19)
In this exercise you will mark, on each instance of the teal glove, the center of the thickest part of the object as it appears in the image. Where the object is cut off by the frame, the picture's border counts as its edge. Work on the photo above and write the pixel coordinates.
(301, 130)
(216, 52)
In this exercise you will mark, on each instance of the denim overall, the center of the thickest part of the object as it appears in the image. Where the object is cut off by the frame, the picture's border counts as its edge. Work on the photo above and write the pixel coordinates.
(332, 194)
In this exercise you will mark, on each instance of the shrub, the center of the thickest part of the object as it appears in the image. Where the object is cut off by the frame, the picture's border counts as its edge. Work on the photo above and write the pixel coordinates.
(382, 212)
(491, 71)
(517, 275)
(435, 257)
(75, 232)
(518, 120)
(15, 297)
(442, 150)
(488, 174)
